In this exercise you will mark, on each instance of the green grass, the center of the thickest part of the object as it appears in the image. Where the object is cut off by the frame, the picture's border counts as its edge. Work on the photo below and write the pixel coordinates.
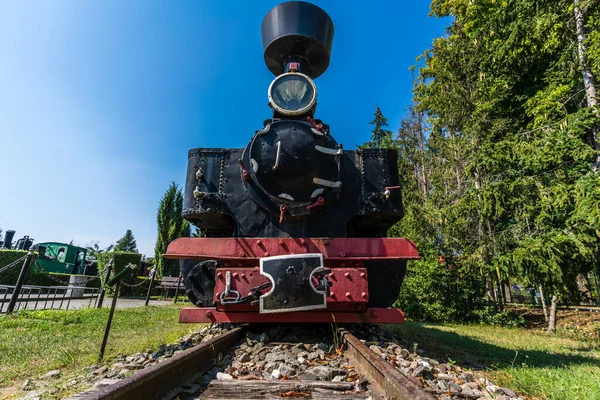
(530, 362)
(34, 342)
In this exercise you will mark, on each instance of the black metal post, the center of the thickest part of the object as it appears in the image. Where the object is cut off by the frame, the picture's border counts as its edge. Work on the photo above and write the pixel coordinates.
(110, 317)
(152, 273)
(177, 289)
(19, 284)
(106, 278)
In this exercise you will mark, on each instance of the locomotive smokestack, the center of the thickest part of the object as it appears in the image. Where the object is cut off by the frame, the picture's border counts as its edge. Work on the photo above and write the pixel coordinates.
(297, 36)
(8, 237)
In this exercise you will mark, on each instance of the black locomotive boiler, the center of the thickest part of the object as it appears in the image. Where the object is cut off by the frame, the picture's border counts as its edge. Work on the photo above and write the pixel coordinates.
(294, 227)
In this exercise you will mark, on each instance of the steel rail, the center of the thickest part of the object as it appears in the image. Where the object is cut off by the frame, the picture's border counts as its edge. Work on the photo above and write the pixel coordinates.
(394, 383)
(157, 381)
(161, 380)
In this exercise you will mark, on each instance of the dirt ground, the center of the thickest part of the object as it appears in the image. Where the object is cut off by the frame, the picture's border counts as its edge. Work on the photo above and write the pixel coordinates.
(580, 323)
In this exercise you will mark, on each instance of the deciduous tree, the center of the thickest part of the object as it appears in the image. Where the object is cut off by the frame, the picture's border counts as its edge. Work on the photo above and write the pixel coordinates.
(498, 157)
(94, 249)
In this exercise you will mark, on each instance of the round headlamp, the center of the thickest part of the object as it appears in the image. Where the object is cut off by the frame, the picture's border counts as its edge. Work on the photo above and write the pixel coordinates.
(292, 94)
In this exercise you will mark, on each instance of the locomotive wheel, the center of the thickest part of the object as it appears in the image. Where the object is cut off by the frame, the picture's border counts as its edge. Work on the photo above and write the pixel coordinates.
(385, 279)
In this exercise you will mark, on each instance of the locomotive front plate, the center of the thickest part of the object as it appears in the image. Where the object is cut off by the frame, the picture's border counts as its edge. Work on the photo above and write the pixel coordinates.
(292, 287)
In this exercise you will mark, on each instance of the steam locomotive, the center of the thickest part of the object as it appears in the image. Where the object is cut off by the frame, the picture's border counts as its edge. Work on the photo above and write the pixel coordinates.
(294, 227)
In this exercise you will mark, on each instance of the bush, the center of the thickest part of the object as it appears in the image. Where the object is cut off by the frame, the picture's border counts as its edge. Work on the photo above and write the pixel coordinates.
(487, 315)
(137, 291)
(437, 292)
(34, 277)
(9, 277)
(121, 260)
(440, 292)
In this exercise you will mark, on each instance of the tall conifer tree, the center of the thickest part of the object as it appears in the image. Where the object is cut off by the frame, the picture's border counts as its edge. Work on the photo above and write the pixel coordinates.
(379, 133)
(126, 243)
(171, 226)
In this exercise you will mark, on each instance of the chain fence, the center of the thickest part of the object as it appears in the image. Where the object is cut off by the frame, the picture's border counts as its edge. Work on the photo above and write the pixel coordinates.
(130, 285)
(12, 264)
(33, 297)
(133, 285)
(60, 295)
(57, 280)
(39, 297)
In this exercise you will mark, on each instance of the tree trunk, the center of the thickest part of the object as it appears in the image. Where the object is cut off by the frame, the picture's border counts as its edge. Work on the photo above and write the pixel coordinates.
(544, 305)
(500, 291)
(585, 289)
(421, 138)
(596, 273)
(552, 319)
(490, 287)
(483, 239)
(507, 294)
(588, 78)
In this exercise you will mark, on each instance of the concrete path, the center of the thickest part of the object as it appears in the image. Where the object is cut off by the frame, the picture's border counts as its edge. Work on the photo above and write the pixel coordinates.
(82, 303)
(130, 303)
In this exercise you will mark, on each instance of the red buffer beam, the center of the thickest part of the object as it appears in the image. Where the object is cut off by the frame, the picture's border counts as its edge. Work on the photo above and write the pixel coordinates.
(255, 248)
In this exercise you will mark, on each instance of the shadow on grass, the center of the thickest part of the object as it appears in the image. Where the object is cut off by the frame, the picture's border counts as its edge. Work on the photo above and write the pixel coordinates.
(472, 353)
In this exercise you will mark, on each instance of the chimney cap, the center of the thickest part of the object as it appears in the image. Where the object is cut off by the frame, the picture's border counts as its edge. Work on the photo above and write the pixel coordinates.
(297, 29)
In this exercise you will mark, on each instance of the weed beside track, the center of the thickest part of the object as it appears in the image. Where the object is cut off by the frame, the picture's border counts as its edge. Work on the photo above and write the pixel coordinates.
(35, 342)
(529, 361)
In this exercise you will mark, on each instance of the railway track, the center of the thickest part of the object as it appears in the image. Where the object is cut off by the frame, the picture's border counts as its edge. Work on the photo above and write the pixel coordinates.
(359, 372)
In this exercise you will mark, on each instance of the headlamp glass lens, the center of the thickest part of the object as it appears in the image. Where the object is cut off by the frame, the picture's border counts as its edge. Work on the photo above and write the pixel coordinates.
(292, 93)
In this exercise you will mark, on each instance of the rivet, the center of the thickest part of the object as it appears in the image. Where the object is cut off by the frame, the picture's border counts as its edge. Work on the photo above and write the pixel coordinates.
(241, 254)
(374, 313)
(281, 242)
(243, 275)
(326, 242)
(219, 274)
(348, 295)
(342, 254)
(258, 242)
(362, 274)
(302, 241)
(364, 295)
(332, 294)
(209, 314)
(266, 254)
(256, 268)
(235, 274)
(226, 264)
(347, 274)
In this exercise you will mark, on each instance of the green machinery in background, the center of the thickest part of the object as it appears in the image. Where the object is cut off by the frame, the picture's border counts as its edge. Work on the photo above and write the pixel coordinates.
(64, 258)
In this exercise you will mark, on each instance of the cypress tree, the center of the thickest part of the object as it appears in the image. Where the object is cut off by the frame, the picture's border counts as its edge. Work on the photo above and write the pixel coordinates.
(171, 226)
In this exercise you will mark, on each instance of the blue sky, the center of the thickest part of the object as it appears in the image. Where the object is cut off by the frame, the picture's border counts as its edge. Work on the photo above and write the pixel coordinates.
(101, 100)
